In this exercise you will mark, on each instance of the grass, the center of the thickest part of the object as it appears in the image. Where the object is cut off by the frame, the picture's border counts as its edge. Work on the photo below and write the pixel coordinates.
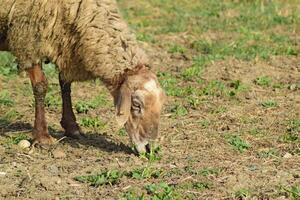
(161, 191)
(263, 81)
(92, 122)
(269, 104)
(144, 173)
(5, 99)
(242, 194)
(237, 143)
(110, 177)
(15, 139)
(153, 155)
(85, 106)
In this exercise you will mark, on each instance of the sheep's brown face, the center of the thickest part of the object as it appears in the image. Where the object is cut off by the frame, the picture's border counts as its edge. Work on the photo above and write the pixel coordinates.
(138, 106)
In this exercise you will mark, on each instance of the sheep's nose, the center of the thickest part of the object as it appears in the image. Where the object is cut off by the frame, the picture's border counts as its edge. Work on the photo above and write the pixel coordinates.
(142, 147)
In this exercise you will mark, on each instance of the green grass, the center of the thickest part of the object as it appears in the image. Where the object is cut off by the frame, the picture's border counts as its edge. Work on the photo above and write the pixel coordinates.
(85, 106)
(263, 81)
(90, 122)
(5, 99)
(161, 191)
(130, 196)
(242, 193)
(238, 143)
(144, 173)
(269, 104)
(210, 171)
(110, 177)
(8, 65)
(15, 139)
(153, 155)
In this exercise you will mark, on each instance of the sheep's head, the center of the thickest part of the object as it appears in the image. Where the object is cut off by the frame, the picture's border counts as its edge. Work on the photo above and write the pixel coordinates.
(138, 104)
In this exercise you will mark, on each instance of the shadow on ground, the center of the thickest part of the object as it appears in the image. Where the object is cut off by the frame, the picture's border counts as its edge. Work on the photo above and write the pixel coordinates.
(102, 142)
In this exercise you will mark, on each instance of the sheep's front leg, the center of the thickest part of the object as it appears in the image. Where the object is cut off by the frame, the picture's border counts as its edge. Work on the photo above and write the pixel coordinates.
(39, 86)
(68, 121)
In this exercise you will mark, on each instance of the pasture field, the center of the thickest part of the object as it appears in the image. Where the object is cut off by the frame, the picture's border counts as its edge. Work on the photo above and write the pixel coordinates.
(230, 128)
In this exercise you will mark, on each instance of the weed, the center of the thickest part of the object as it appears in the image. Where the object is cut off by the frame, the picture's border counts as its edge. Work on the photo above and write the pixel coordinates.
(242, 193)
(294, 126)
(270, 153)
(194, 72)
(122, 132)
(63, 198)
(293, 192)
(110, 177)
(5, 98)
(145, 37)
(90, 122)
(8, 65)
(131, 196)
(179, 110)
(201, 185)
(153, 155)
(15, 139)
(175, 48)
(85, 106)
(11, 115)
(238, 143)
(263, 81)
(210, 171)
(144, 173)
(161, 191)
(269, 104)
(289, 138)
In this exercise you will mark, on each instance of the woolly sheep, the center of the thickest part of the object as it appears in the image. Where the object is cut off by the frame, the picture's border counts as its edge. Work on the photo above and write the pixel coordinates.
(86, 39)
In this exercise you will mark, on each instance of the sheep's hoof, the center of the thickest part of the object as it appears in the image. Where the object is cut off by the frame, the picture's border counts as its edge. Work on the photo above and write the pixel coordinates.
(44, 140)
(77, 134)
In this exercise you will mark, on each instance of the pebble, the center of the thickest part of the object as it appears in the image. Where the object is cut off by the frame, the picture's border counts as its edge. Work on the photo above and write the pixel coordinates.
(288, 155)
(58, 153)
(24, 144)
(293, 87)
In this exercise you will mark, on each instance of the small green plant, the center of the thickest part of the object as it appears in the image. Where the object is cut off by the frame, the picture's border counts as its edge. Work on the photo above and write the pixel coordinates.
(242, 193)
(270, 153)
(85, 106)
(153, 155)
(175, 48)
(238, 143)
(293, 192)
(8, 65)
(110, 177)
(63, 198)
(11, 115)
(263, 81)
(144, 173)
(210, 171)
(122, 132)
(294, 126)
(201, 185)
(5, 98)
(130, 196)
(289, 138)
(89, 122)
(15, 139)
(161, 191)
(269, 104)
(179, 110)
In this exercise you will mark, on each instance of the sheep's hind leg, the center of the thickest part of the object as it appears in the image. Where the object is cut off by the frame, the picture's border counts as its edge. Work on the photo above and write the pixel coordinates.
(68, 121)
(39, 86)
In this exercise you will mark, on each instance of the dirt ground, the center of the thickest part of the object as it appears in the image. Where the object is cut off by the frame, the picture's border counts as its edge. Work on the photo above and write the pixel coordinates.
(229, 132)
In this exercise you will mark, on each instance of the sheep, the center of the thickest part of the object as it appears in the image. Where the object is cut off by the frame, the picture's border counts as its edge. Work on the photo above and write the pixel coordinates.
(86, 39)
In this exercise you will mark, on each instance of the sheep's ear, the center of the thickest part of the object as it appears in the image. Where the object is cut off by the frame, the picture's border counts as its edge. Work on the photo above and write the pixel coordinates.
(123, 105)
